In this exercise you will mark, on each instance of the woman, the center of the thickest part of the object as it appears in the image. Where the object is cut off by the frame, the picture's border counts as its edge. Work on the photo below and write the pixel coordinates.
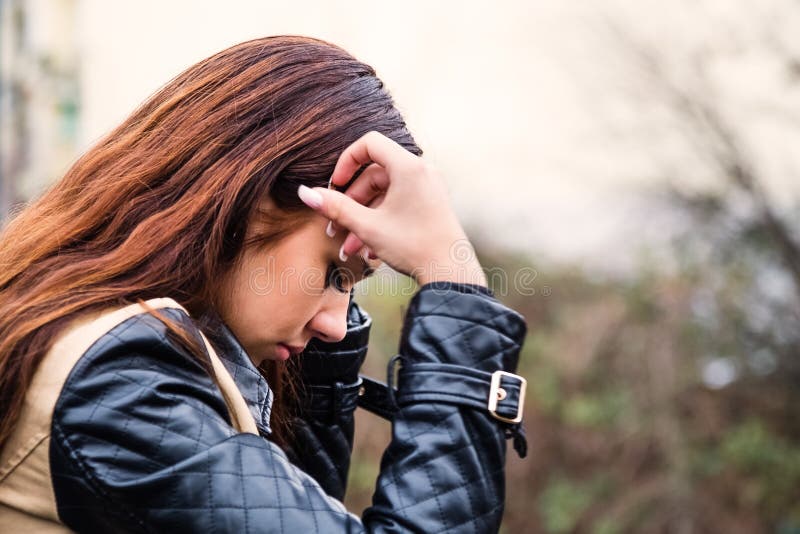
(179, 347)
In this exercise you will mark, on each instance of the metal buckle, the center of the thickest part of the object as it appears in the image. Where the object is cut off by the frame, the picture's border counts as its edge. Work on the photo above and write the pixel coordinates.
(390, 372)
(496, 394)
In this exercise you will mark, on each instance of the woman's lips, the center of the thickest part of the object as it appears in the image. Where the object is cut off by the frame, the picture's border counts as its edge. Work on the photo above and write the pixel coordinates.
(285, 351)
(294, 349)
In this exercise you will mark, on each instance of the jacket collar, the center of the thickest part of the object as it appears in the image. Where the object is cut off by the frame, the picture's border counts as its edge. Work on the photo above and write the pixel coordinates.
(252, 384)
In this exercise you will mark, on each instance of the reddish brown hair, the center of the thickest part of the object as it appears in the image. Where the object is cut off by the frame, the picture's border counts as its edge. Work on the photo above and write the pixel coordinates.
(159, 207)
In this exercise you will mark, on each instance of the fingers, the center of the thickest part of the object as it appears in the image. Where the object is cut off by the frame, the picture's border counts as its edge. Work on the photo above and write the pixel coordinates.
(350, 246)
(352, 243)
(370, 147)
(369, 184)
(339, 208)
(373, 181)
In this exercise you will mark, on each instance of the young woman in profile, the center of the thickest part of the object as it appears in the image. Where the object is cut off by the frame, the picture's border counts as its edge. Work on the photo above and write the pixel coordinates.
(179, 346)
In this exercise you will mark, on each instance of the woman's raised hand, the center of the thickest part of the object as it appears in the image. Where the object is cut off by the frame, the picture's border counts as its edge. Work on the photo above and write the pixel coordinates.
(399, 208)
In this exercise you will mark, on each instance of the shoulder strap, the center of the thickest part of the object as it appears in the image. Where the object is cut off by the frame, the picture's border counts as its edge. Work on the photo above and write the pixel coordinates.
(87, 331)
(240, 415)
(26, 494)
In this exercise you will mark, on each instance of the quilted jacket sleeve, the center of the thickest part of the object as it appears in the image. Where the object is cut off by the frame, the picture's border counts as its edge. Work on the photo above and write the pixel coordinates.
(142, 441)
(322, 440)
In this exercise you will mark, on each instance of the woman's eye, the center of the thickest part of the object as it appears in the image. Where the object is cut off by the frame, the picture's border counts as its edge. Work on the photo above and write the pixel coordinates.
(335, 278)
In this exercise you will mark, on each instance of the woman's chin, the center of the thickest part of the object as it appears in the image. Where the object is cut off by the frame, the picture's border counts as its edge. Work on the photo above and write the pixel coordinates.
(281, 353)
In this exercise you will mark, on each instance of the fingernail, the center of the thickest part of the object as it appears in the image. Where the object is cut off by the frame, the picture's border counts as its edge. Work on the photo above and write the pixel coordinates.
(342, 255)
(309, 197)
(330, 230)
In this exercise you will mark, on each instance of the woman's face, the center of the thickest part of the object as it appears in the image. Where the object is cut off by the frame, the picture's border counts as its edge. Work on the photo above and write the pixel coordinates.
(278, 298)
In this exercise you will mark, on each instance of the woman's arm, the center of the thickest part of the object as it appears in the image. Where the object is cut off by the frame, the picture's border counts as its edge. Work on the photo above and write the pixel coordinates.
(142, 441)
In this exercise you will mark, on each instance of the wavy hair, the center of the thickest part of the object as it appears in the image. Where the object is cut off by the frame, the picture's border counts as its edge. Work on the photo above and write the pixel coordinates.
(160, 206)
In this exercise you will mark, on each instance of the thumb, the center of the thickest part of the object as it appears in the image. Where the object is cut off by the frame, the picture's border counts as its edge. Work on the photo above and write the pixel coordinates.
(337, 207)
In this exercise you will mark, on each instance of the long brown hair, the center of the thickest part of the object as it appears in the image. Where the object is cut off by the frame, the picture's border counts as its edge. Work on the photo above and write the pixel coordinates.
(160, 206)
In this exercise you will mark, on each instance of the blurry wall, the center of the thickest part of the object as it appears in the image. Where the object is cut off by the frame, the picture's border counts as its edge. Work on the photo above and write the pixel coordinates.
(39, 95)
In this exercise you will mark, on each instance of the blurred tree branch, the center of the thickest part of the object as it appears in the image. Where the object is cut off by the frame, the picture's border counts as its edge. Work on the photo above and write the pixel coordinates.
(715, 137)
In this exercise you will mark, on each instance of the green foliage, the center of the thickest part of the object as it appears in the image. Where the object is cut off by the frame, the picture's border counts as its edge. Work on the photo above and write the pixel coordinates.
(564, 500)
(542, 376)
(622, 395)
(606, 526)
(602, 409)
(770, 463)
(543, 386)
(362, 475)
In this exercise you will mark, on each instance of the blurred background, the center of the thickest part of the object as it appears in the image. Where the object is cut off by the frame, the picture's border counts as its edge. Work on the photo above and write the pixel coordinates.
(630, 168)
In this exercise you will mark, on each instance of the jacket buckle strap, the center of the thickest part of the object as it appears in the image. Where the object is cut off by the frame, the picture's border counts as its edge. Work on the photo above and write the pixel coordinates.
(465, 386)
(330, 401)
(497, 393)
(374, 397)
(390, 379)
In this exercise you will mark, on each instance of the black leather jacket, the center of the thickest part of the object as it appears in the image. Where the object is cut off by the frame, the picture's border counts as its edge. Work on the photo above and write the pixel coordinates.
(142, 439)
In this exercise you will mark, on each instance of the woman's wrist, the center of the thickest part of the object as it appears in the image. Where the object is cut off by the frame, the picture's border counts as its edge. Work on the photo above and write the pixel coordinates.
(460, 273)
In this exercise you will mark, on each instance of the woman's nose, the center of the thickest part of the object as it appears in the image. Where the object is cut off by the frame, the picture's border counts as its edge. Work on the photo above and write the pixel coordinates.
(330, 323)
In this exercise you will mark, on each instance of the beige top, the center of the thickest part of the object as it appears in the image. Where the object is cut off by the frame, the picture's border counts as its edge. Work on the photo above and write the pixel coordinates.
(27, 499)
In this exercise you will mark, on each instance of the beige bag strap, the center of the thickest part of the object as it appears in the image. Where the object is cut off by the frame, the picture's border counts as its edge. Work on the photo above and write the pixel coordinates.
(241, 418)
(27, 501)
(71, 346)
(240, 414)
(50, 376)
